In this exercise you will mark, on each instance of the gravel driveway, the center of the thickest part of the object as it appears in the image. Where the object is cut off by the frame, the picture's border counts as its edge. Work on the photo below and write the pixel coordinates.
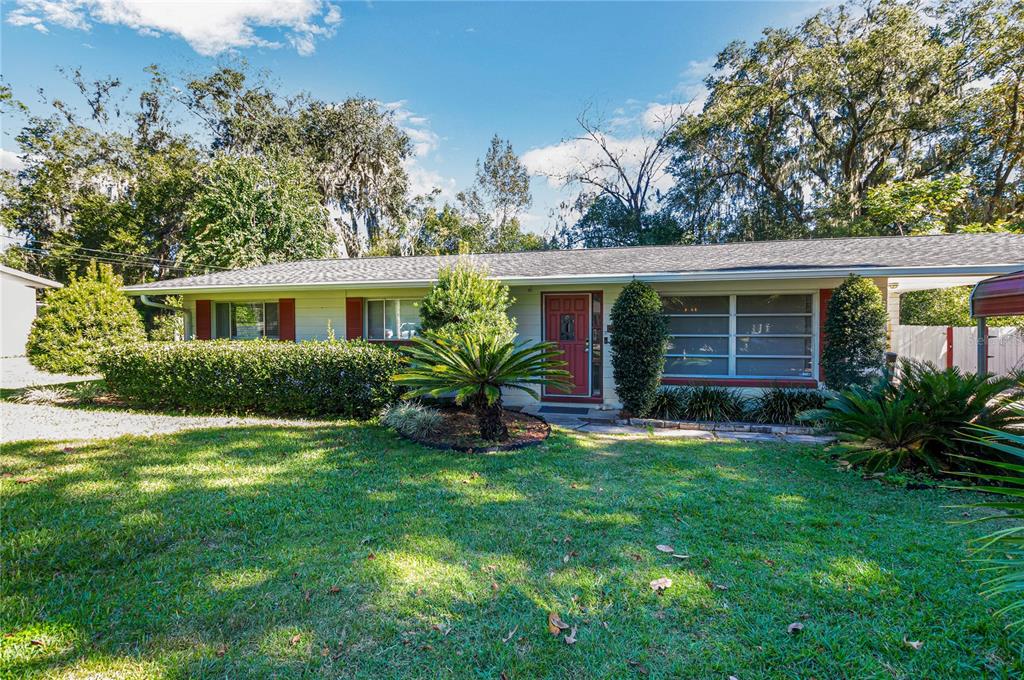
(29, 421)
(16, 372)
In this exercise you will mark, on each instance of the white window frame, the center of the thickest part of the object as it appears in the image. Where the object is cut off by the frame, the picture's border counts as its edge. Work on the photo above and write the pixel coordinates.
(215, 327)
(398, 302)
(732, 355)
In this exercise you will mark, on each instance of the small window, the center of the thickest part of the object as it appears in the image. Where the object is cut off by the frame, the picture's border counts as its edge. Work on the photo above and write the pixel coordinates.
(392, 319)
(247, 320)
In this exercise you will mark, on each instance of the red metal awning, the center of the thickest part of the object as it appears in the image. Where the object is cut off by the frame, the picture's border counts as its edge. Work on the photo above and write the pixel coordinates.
(999, 296)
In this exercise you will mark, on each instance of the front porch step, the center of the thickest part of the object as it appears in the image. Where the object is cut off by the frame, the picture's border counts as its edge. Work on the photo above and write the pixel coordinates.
(557, 412)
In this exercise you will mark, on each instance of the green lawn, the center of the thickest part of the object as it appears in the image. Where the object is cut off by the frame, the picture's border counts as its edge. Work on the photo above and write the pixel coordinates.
(345, 552)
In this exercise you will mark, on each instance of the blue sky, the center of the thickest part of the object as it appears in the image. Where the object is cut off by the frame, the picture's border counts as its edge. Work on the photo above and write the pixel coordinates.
(455, 73)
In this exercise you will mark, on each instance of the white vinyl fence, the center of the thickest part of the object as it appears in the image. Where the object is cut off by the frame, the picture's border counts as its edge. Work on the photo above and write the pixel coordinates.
(932, 343)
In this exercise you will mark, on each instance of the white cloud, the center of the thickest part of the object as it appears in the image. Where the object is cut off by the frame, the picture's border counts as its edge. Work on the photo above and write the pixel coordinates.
(558, 160)
(10, 161)
(425, 142)
(209, 27)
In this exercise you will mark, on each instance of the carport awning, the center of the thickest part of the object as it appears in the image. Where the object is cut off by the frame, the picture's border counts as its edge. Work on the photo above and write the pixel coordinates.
(999, 296)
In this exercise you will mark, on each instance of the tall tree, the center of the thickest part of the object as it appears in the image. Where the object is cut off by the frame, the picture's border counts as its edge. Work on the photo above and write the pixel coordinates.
(801, 125)
(250, 211)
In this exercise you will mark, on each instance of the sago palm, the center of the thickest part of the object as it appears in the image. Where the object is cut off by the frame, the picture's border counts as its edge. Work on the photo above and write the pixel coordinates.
(1003, 551)
(475, 367)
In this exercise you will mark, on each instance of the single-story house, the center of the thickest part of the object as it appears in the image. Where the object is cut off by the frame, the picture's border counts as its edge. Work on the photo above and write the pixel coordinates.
(18, 292)
(740, 314)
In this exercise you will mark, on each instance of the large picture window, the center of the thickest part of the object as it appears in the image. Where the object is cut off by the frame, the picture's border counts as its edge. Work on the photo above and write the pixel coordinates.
(392, 319)
(247, 320)
(746, 336)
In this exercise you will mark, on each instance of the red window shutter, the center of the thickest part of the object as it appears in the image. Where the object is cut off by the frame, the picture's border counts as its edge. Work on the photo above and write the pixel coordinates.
(353, 318)
(824, 295)
(286, 318)
(203, 325)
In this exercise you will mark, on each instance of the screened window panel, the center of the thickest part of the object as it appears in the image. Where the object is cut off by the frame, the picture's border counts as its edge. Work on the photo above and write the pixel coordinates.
(774, 325)
(773, 346)
(773, 336)
(409, 319)
(698, 325)
(773, 304)
(696, 304)
(774, 368)
(683, 366)
(247, 320)
(689, 346)
(223, 312)
(375, 319)
(272, 325)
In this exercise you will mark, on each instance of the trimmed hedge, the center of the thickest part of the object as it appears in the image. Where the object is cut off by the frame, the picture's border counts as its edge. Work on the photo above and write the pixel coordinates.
(334, 377)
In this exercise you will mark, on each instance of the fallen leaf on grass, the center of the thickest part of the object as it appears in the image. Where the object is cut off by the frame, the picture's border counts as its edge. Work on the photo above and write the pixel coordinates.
(307, 595)
(794, 628)
(665, 548)
(24, 480)
(718, 586)
(296, 639)
(640, 668)
(659, 585)
(555, 624)
(913, 644)
(570, 639)
(510, 634)
(222, 649)
(36, 643)
(680, 556)
(334, 590)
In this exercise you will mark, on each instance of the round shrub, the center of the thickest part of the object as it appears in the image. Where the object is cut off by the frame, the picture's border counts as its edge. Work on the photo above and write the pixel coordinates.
(464, 301)
(333, 377)
(639, 337)
(854, 334)
(81, 321)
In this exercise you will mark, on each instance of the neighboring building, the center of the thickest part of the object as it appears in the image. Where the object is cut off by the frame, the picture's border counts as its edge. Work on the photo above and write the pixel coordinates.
(740, 314)
(18, 292)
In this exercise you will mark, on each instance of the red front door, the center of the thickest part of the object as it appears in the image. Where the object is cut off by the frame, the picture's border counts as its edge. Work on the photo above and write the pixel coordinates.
(567, 324)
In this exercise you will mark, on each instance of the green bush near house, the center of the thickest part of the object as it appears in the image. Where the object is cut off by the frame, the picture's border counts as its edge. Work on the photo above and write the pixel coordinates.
(781, 406)
(854, 334)
(464, 300)
(639, 336)
(82, 320)
(917, 420)
(345, 378)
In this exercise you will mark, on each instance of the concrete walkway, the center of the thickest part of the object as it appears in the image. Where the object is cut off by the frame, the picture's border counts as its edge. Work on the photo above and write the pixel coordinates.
(610, 429)
(17, 372)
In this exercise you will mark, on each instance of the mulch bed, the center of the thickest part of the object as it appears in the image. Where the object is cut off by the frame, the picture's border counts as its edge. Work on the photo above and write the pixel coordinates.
(460, 432)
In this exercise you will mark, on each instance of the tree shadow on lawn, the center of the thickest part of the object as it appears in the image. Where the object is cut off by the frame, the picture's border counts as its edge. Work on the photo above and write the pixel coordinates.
(346, 551)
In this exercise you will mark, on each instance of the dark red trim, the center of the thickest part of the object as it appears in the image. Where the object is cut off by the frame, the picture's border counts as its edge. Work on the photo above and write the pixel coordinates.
(949, 347)
(999, 306)
(743, 382)
(353, 318)
(203, 324)
(824, 295)
(286, 319)
(578, 400)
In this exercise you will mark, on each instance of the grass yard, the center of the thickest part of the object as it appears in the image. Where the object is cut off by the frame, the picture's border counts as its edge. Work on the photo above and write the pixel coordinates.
(345, 552)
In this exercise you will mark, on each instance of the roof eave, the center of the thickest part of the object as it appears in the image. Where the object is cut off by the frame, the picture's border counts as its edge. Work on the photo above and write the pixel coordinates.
(651, 277)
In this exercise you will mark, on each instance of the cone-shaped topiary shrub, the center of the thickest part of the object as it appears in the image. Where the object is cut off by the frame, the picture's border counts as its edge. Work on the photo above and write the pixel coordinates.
(639, 337)
(854, 334)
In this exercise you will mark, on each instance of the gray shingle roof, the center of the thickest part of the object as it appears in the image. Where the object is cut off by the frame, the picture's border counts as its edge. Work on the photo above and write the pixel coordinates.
(762, 259)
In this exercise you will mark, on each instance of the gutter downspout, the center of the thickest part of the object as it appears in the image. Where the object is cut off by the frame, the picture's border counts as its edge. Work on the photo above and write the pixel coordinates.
(187, 314)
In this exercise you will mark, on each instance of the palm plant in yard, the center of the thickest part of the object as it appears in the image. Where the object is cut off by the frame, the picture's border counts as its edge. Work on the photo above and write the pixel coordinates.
(1003, 550)
(475, 367)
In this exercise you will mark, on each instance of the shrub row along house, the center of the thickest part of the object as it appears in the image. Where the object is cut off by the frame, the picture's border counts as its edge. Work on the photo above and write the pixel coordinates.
(742, 314)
